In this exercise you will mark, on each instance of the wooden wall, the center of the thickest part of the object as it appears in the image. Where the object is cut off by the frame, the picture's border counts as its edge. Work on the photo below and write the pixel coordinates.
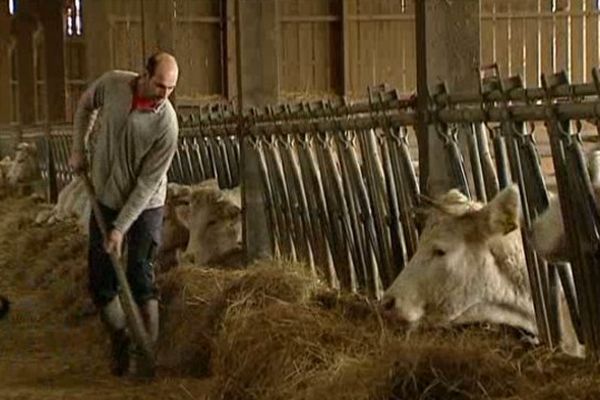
(329, 47)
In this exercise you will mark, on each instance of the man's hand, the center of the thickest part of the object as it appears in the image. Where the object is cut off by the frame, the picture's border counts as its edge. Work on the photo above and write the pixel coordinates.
(77, 162)
(114, 243)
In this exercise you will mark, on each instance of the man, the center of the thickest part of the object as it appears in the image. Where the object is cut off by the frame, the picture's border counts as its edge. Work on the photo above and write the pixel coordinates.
(135, 138)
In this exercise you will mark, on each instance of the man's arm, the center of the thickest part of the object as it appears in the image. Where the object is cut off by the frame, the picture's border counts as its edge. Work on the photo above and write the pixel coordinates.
(91, 100)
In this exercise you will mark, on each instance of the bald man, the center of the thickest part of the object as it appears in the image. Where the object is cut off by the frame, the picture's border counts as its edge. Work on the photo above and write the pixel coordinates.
(134, 140)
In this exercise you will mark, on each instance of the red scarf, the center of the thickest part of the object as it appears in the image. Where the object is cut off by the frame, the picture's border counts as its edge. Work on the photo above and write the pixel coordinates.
(142, 103)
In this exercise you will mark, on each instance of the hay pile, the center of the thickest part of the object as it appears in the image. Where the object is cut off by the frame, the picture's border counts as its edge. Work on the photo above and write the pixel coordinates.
(43, 257)
(273, 331)
(196, 302)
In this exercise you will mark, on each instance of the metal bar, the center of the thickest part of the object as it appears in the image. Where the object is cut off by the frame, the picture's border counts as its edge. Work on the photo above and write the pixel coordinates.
(320, 223)
(468, 114)
(393, 194)
(372, 167)
(296, 200)
(476, 165)
(521, 94)
(538, 279)
(338, 213)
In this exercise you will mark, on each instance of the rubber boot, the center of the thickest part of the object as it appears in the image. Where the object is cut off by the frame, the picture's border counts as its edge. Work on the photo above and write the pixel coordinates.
(150, 315)
(114, 318)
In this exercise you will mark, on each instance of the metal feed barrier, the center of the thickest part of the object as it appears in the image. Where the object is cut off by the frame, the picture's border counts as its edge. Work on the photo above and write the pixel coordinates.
(340, 187)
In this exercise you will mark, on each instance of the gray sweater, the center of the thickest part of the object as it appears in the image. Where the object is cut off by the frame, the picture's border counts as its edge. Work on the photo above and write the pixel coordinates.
(132, 149)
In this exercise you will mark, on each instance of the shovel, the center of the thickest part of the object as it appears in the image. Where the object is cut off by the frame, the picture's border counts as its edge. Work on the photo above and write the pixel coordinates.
(132, 313)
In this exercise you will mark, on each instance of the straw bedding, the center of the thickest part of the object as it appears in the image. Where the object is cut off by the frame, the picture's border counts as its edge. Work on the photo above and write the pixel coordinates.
(274, 331)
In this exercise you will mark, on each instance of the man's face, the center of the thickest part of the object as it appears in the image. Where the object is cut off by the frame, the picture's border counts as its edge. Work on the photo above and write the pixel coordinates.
(162, 83)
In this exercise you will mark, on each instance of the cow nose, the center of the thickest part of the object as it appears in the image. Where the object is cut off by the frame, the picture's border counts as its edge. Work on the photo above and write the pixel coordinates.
(388, 303)
(387, 306)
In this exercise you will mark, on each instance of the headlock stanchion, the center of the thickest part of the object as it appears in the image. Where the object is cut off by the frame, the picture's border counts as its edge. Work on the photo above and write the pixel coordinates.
(579, 210)
(341, 191)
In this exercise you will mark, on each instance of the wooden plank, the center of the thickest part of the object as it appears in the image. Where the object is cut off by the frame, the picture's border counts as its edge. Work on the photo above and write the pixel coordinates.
(379, 48)
(352, 47)
(320, 44)
(410, 43)
(546, 40)
(502, 38)
(517, 38)
(487, 38)
(344, 60)
(127, 45)
(531, 75)
(230, 46)
(305, 56)
(578, 59)
(591, 39)
(561, 42)
(212, 42)
(290, 42)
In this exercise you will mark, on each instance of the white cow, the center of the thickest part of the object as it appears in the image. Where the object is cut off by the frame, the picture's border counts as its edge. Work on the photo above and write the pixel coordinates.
(202, 224)
(5, 165)
(73, 203)
(548, 230)
(469, 267)
(213, 219)
(175, 234)
(24, 168)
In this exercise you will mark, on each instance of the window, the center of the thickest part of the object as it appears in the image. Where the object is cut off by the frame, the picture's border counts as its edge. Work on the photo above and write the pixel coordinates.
(74, 25)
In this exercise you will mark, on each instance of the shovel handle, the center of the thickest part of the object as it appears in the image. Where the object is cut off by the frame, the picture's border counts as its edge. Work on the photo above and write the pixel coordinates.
(132, 313)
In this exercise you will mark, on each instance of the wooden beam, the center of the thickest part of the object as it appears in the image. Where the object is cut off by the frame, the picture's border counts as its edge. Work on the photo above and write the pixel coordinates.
(5, 64)
(23, 27)
(97, 38)
(52, 19)
(257, 26)
(447, 50)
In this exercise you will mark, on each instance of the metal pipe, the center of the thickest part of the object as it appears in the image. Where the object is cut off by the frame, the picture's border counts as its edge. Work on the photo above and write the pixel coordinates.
(470, 114)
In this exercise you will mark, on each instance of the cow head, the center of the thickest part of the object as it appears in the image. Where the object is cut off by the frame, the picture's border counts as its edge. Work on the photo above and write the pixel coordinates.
(214, 224)
(468, 267)
(174, 233)
(548, 232)
(548, 229)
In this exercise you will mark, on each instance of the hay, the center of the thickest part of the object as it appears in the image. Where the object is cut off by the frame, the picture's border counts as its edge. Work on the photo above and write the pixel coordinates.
(43, 257)
(185, 343)
(197, 299)
(273, 331)
(273, 352)
(409, 370)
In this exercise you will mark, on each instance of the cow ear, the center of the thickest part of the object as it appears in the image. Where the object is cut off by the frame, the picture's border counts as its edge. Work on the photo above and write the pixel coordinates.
(209, 184)
(502, 214)
(183, 214)
(230, 211)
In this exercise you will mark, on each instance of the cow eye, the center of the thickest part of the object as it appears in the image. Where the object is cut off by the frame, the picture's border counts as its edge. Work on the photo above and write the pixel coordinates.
(437, 252)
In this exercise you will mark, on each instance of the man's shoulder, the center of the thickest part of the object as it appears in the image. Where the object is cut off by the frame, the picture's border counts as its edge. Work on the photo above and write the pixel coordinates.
(168, 114)
(117, 76)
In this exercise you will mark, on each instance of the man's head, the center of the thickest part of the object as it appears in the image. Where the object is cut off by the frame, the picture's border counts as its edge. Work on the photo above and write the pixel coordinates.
(160, 76)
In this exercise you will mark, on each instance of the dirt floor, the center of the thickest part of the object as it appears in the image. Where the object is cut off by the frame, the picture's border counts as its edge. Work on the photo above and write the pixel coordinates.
(48, 349)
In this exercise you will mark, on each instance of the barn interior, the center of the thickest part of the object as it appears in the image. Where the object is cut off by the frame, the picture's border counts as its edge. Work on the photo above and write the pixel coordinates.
(327, 131)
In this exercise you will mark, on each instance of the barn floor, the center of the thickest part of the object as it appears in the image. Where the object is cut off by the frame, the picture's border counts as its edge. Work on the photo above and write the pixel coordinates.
(41, 356)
